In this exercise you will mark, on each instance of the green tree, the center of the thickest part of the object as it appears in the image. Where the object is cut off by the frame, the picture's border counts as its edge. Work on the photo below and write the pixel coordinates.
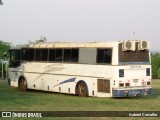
(4, 47)
(155, 60)
(1, 3)
(42, 39)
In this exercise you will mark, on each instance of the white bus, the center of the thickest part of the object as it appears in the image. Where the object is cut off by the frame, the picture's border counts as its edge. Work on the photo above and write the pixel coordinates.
(101, 69)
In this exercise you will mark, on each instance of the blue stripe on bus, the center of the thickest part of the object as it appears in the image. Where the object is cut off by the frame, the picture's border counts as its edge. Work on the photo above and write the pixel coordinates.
(66, 81)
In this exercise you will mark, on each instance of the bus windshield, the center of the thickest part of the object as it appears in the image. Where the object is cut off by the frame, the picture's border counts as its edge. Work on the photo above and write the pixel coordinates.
(133, 57)
(15, 57)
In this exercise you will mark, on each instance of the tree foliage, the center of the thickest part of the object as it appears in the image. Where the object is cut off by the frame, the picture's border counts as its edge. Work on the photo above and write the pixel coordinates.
(42, 39)
(1, 3)
(155, 59)
(4, 47)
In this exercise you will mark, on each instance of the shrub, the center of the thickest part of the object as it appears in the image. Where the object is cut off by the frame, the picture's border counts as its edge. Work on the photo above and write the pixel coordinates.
(155, 62)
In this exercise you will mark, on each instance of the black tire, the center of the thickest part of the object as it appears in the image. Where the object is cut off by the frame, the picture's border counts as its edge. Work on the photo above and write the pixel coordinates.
(82, 89)
(23, 84)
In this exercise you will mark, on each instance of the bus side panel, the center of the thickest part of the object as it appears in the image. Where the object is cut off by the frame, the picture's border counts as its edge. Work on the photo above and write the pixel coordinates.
(63, 78)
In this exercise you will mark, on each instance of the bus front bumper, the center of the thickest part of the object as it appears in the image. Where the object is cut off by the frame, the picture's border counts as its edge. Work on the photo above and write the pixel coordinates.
(132, 92)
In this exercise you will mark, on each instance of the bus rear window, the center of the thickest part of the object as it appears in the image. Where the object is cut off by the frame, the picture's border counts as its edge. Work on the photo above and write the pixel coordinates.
(133, 57)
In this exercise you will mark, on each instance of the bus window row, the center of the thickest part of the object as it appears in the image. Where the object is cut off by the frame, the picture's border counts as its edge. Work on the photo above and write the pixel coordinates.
(57, 55)
(81, 55)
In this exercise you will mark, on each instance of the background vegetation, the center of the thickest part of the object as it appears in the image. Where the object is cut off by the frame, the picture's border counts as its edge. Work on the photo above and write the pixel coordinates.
(155, 59)
(4, 47)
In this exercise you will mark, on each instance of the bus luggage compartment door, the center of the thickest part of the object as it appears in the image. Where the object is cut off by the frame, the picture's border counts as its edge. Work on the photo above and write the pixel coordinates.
(103, 85)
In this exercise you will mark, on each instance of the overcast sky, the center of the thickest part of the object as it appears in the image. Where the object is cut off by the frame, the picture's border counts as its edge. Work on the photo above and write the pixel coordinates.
(80, 20)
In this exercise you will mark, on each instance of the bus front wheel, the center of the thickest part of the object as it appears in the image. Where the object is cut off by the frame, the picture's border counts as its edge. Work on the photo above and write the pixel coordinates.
(82, 89)
(23, 84)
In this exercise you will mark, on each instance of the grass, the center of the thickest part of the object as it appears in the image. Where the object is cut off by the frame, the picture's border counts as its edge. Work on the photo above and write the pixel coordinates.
(12, 99)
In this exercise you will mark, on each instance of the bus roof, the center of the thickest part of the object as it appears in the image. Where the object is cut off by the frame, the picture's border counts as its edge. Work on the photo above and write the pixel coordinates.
(67, 45)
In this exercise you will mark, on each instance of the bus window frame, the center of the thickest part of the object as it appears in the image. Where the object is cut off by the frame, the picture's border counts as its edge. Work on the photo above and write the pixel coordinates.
(111, 48)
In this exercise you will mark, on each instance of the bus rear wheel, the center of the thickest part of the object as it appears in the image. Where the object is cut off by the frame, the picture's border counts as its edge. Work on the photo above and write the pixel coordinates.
(82, 89)
(23, 84)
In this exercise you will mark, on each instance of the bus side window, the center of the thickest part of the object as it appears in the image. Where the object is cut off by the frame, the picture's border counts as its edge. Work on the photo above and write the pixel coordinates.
(100, 56)
(104, 56)
(52, 53)
(31, 54)
(58, 55)
(67, 55)
(38, 56)
(24, 54)
(75, 55)
(44, 54)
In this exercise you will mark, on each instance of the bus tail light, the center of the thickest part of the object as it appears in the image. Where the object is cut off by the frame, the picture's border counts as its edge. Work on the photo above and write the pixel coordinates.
(148, 83)
(127, 84)
(121, 84)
